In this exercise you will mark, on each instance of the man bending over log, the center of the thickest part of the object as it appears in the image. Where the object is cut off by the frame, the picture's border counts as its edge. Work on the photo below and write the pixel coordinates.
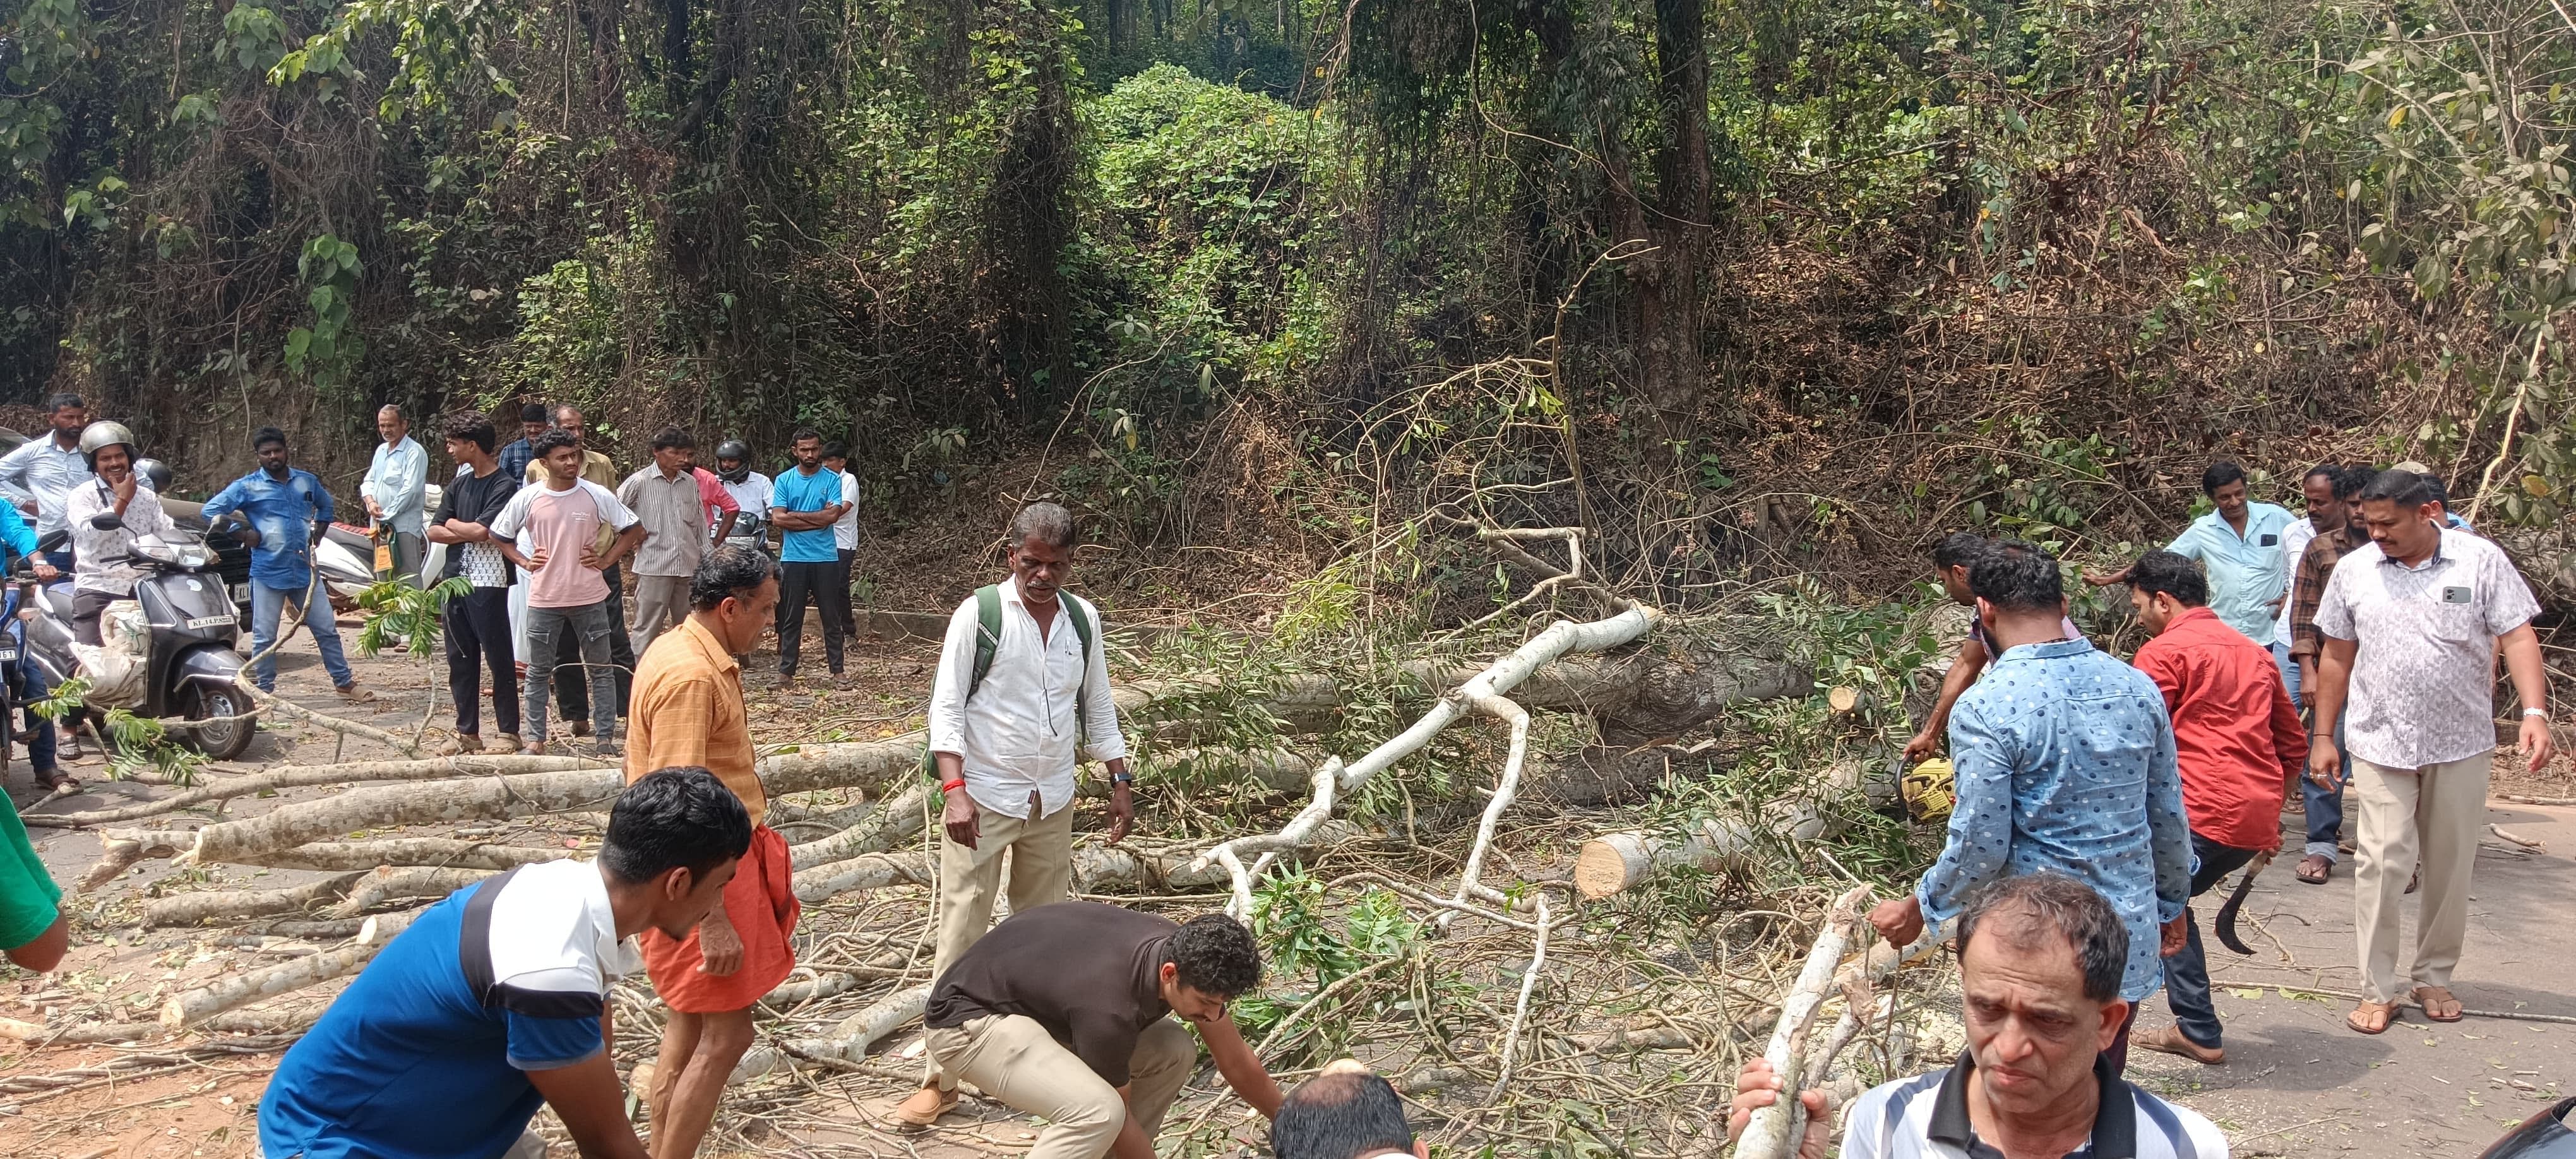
(687, 709)
(1061, 1012)
(496, 1000)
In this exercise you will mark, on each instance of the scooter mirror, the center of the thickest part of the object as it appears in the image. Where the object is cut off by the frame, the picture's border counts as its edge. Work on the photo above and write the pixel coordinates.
(107, 521)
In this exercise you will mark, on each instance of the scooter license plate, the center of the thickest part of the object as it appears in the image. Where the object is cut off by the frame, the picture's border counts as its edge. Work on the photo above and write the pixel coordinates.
(209, 621)
(8, 654)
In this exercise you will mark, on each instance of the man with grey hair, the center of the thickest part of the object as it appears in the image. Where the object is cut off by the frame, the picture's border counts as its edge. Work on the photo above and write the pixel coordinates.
(396, 485)
(1021, 695)
(2041, 957)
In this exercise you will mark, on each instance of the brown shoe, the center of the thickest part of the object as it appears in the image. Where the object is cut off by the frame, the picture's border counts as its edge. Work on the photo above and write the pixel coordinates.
(923, 1107)
(534, 748)
(581, 728)
(355, 695)
(466, 744)
(506, 744)
(2171, 1040)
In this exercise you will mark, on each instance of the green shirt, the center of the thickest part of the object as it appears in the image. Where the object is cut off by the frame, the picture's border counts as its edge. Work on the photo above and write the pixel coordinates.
(27, 893)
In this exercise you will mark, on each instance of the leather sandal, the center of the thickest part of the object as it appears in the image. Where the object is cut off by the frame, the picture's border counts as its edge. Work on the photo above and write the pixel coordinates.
(2314, 869)
(2439, 1003)
(2386, 1013)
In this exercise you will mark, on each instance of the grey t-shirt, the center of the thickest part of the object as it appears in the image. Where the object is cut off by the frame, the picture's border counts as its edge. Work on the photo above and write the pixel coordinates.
(2423, 671)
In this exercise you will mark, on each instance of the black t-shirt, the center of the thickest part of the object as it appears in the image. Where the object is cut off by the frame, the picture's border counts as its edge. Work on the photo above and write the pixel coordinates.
(474, 499)
(1088, 972)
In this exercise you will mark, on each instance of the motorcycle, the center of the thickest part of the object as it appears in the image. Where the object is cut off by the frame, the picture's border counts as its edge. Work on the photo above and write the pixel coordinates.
(192, 667)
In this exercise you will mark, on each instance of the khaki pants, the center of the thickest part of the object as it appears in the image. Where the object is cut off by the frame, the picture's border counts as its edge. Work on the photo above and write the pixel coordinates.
(1041, 874)
(1013, 1059)
(661, 602)
(2434, 812)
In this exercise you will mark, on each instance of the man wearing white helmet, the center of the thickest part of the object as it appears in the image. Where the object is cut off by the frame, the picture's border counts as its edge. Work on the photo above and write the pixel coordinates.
(103, 570)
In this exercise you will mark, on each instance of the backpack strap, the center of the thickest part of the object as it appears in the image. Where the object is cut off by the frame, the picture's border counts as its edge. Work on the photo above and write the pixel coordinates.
(988, 633)
(1082, 635)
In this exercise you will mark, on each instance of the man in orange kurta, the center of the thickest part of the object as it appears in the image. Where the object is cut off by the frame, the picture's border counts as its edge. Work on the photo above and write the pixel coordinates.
(687, 710)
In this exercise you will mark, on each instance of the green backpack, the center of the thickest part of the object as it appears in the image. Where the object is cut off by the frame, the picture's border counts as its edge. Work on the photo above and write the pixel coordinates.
(988, 638)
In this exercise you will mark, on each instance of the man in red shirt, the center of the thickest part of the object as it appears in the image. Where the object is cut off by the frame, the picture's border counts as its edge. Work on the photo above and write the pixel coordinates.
(2240, 745)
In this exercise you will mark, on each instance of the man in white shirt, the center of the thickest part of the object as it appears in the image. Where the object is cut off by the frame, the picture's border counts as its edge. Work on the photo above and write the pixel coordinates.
(39, 476)
(1004, 744)
(845, 530)
(104, 571)
(2411, 625)
(397, 481)
(750, 491)
(2325, 513)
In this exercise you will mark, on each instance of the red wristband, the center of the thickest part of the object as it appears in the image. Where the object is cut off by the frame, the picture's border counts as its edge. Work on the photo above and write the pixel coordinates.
(959, 783)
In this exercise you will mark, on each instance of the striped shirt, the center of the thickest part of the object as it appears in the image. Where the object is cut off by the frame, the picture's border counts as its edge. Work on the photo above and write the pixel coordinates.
(1927, 1115)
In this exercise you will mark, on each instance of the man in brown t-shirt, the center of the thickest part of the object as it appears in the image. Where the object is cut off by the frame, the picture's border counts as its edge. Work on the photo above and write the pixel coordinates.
(2324, 806)
(1063, 1012)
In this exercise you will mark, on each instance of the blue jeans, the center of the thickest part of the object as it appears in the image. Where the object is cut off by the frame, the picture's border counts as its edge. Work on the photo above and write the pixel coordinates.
(29, 689)
(267, 606)
(2289, 672)
(2187, 972)
(2325, 809)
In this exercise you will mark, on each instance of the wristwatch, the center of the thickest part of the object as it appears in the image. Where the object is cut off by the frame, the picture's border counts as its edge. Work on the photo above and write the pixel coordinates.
(2539, 712)
(1122, 778)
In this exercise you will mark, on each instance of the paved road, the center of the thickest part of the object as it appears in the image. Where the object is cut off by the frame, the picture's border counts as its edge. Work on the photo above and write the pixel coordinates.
(2298, 1083)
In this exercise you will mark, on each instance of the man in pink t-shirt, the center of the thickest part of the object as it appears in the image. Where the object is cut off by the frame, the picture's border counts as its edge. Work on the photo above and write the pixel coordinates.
(553, 531)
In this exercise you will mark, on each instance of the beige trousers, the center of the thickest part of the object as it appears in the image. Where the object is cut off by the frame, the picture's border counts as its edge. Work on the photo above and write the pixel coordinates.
(1013, 1059)
(2432, 814)
(661, 602)
(1041, 852)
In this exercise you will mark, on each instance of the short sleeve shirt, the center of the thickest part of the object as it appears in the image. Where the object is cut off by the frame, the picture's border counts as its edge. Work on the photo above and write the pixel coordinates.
(2423, 668)
(477, 499)
(674, 511)
(798, 491)
(2245, 571)
(427, 1053)
(562, 523)
(845, 530)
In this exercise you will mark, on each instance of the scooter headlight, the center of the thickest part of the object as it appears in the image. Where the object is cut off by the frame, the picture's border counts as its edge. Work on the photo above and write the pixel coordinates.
(150, 547)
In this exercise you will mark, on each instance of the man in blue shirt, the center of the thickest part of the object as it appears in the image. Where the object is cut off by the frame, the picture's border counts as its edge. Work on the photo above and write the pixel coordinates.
(288, 510)
(2064, 761)
(515, 457)
(495, 1001)
(2239, 545)
(805, 503)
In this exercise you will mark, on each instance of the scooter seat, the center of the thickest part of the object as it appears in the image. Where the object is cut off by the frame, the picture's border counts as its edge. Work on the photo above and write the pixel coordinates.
(58, 601)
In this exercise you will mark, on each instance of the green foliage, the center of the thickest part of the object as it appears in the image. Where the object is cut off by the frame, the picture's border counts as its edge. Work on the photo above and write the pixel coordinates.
(136, 744)
(327, 351)
(398, 612)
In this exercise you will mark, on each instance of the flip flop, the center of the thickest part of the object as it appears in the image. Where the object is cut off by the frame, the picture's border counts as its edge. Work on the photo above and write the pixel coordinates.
(2442, 995)
(2314, 876)
(2387, 1012)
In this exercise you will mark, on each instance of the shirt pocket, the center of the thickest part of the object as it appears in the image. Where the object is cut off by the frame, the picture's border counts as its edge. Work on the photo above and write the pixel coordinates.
(2455, 623)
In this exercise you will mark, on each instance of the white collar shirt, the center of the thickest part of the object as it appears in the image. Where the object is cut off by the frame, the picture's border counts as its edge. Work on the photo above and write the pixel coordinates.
(1021, 733)
(101, 560)
(2423, 665)
(42, 472)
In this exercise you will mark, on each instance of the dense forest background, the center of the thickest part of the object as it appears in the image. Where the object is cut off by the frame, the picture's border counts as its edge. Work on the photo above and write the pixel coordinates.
(1746, 286)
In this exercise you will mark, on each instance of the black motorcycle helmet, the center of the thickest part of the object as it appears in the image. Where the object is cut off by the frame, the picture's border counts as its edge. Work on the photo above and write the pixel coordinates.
(155, 473)
(740, 453)
(2542, 1136)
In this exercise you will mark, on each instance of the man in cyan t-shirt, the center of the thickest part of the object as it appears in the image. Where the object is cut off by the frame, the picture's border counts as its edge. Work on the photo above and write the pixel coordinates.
(496, 1000)
(557, 532)
(805, 503)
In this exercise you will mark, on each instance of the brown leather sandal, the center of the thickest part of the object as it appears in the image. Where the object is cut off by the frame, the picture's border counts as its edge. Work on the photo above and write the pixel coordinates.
(2386, 1012)
(2314, 869)
(2449, 1004)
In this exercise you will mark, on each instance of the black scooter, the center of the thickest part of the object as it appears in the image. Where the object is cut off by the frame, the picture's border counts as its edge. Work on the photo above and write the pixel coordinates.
(191, 668)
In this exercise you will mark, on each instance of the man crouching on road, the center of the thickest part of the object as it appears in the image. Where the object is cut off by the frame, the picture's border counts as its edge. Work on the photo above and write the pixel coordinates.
(495, 1001)
(1061, 1012)
(2040, 962)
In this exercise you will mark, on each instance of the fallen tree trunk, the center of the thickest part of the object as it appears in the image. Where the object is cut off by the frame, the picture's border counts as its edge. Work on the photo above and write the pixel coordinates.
(478, 799)
(1333, 780)
(342, 774)
(187, 909)
(437, 852)
(894, 822)
(1614, 862)
(406, 883)
(194, 1006)
(1769, 1133)
(849, 1041)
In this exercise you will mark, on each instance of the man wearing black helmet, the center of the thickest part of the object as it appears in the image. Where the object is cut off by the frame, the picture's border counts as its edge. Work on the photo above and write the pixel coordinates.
(103, 571)
(750, 491)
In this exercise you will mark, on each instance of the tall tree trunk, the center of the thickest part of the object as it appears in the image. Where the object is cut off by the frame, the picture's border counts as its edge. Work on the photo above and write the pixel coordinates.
(1668, 303)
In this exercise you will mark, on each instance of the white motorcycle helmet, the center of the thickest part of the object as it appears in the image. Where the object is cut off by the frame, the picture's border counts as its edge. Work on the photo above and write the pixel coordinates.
(99, 436)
